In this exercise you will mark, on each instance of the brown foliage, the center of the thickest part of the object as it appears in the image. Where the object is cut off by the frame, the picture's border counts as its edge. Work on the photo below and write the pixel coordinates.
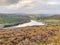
(29, 35)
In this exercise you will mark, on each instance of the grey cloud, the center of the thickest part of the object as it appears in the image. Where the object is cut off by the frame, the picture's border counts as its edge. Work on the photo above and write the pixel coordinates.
(8, 2)
(37, 6)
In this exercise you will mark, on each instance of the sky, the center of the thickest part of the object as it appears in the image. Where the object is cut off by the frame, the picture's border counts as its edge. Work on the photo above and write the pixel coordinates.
(30, 6)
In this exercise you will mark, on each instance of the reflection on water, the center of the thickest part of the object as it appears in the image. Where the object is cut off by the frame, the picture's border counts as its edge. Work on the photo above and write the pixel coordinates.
(31, 23)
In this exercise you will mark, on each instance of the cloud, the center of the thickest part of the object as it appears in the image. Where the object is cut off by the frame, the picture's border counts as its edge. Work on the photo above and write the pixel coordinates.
(20, 4)
(32, 6)
(25, 4)
(53, 3)
(8, 2)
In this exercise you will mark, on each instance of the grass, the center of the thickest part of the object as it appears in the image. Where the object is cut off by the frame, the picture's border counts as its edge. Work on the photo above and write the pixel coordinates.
(35, 35)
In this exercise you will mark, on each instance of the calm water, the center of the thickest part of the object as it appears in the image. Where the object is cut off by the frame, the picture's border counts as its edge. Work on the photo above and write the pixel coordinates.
(31, 23)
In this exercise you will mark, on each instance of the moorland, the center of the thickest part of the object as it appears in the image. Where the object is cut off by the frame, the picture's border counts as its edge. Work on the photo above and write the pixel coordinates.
(48, 34)
(34, 35)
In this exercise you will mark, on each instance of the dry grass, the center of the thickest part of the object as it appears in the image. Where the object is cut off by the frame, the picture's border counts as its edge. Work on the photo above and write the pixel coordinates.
(35, 35)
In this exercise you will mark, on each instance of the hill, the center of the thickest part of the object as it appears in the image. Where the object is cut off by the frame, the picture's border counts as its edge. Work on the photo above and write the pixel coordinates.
(49, 20)
(57, 16)
(54, 19)
(22, 18)
(13, 18)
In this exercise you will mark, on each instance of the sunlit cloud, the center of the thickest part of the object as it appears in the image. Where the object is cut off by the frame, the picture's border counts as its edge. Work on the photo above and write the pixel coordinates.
(53, 3)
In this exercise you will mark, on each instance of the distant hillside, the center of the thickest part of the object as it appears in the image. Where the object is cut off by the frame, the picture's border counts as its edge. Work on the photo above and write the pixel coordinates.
(22, 18)
(53, 17)
(50, 20)
(13, 18)
(56, 17)
(18, 18)
(43, 17)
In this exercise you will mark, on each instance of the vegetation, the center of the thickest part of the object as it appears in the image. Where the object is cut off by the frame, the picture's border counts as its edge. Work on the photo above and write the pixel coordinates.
(49, 20)
(13, 18)
(19, 18)
(35, 35)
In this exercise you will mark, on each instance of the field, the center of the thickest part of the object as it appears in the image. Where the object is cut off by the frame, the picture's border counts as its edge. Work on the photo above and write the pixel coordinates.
(34, 35)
